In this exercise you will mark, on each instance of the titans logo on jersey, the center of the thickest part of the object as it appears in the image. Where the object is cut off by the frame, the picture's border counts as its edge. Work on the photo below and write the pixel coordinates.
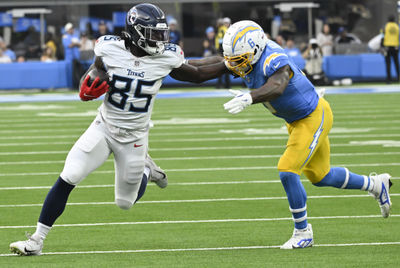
(299, 98)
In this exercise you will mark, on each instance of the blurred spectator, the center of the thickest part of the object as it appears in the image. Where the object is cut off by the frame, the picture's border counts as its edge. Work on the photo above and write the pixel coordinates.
(3, 57)
(71, 46)
(391, 47)
(291, 49)
(174, 33)
(280, 41)
(103, 30)
(223, 25)
(208, 43)
(89, 30)
(71, 43)
(86, 48)
(313, 58)
(48, 55)
(21, 59)
(221, 30)
(346, 38)
(325, 40)
(6, 50)
(32, 44)
(51, 43)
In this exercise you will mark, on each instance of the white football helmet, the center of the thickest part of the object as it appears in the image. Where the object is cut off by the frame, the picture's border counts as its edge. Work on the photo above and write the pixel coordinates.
(243, 45)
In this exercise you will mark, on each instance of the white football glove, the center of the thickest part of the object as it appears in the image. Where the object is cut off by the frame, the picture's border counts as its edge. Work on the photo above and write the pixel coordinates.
(239, 102)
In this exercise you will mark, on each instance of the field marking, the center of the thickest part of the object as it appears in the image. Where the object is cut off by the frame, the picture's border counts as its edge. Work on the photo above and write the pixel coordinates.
(272, 124)
(350, 144)
(200, 121)
(200, 249)
(196, 200)
(201, 158)
(200, 169)
(169, 184)
(198, 221)
(247, 131)
(179, 140)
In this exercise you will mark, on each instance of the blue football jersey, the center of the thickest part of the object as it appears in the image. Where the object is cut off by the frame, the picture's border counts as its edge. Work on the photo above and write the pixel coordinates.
(299, 98)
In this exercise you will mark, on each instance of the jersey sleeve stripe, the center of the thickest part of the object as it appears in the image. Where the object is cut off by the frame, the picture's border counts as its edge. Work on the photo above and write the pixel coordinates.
(270, 58)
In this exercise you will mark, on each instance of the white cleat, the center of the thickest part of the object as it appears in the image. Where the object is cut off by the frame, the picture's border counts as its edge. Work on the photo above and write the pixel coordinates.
(380, 192)
(28, 247)
(157, 175)
(300, 239)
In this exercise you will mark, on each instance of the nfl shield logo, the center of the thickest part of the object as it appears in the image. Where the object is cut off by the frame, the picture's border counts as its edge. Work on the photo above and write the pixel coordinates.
(137, 63)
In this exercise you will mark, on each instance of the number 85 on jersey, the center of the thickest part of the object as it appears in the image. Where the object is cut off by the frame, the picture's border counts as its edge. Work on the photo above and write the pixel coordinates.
(127, 94)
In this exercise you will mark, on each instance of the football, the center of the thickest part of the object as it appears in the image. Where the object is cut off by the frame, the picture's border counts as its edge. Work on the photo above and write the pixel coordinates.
(98, 73)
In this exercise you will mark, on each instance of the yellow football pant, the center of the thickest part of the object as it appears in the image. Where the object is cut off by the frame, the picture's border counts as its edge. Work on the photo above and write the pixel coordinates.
(308, 148)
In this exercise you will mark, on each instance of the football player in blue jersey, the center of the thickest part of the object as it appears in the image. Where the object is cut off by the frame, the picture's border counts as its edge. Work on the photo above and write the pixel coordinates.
(284, 90)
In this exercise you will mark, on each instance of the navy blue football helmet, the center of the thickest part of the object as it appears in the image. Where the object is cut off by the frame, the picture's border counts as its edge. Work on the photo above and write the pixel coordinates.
(147, 28)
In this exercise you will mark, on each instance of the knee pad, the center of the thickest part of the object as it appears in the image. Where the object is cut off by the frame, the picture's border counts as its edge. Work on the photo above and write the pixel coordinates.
(123, 204)
(72, 176)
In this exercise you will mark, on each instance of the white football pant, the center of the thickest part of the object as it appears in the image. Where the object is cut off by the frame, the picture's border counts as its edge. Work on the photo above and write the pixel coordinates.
(92, 150)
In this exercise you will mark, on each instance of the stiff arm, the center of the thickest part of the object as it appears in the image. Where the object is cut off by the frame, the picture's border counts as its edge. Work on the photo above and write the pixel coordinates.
(200, 70)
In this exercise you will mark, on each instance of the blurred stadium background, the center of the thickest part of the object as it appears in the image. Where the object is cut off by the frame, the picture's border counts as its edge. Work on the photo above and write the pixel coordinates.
(225, 206)
(34, 31)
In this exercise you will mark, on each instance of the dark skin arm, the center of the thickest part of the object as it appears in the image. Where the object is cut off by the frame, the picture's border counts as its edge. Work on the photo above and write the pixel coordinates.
(205, 61)
(98, 64)
(275, 86)
(198, 74)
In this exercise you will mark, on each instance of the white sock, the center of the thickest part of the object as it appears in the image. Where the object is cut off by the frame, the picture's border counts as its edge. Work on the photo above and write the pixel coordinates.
(41, 231)
(370, 181)
(147, 172)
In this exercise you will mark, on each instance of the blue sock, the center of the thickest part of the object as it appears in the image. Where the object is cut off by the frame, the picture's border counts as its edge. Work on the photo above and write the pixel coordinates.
(142, 188)
(297, 198)
(55, 202)
(339, 177)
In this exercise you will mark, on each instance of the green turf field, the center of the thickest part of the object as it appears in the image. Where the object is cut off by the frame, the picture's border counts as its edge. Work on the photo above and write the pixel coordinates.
(224, 206)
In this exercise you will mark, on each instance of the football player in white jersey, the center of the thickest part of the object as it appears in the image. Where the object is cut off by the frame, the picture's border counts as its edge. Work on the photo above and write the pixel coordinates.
(136, 63)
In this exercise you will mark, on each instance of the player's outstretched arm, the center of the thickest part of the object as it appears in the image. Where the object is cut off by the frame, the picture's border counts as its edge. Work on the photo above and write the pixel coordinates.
(198, 74)
(275, 86)
(205, 61)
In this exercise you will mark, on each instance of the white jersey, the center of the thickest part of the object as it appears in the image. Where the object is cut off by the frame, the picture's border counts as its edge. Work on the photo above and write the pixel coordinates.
(134, 82)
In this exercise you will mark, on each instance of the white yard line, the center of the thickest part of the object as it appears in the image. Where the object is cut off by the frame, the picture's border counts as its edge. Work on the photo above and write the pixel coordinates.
(202, 158)
(213, 126)
(169, 184)
(195, 148)
(198, 221)
(199, 169)
(179, 140)
(197, 200)
(217, 131)
(201, 249)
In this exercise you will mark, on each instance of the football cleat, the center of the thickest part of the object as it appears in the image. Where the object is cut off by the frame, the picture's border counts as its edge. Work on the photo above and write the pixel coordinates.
(380, 192)
(157, 175)
(28, 247)
(300, 239)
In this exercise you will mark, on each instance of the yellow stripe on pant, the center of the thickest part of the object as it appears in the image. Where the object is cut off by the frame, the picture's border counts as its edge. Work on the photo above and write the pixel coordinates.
(308, 149)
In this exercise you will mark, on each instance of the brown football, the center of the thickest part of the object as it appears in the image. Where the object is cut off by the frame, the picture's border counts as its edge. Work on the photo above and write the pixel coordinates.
(98, 73)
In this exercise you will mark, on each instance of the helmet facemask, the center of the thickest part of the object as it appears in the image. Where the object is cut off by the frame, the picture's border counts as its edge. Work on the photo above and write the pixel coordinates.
(152, 39)
(241, 64)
